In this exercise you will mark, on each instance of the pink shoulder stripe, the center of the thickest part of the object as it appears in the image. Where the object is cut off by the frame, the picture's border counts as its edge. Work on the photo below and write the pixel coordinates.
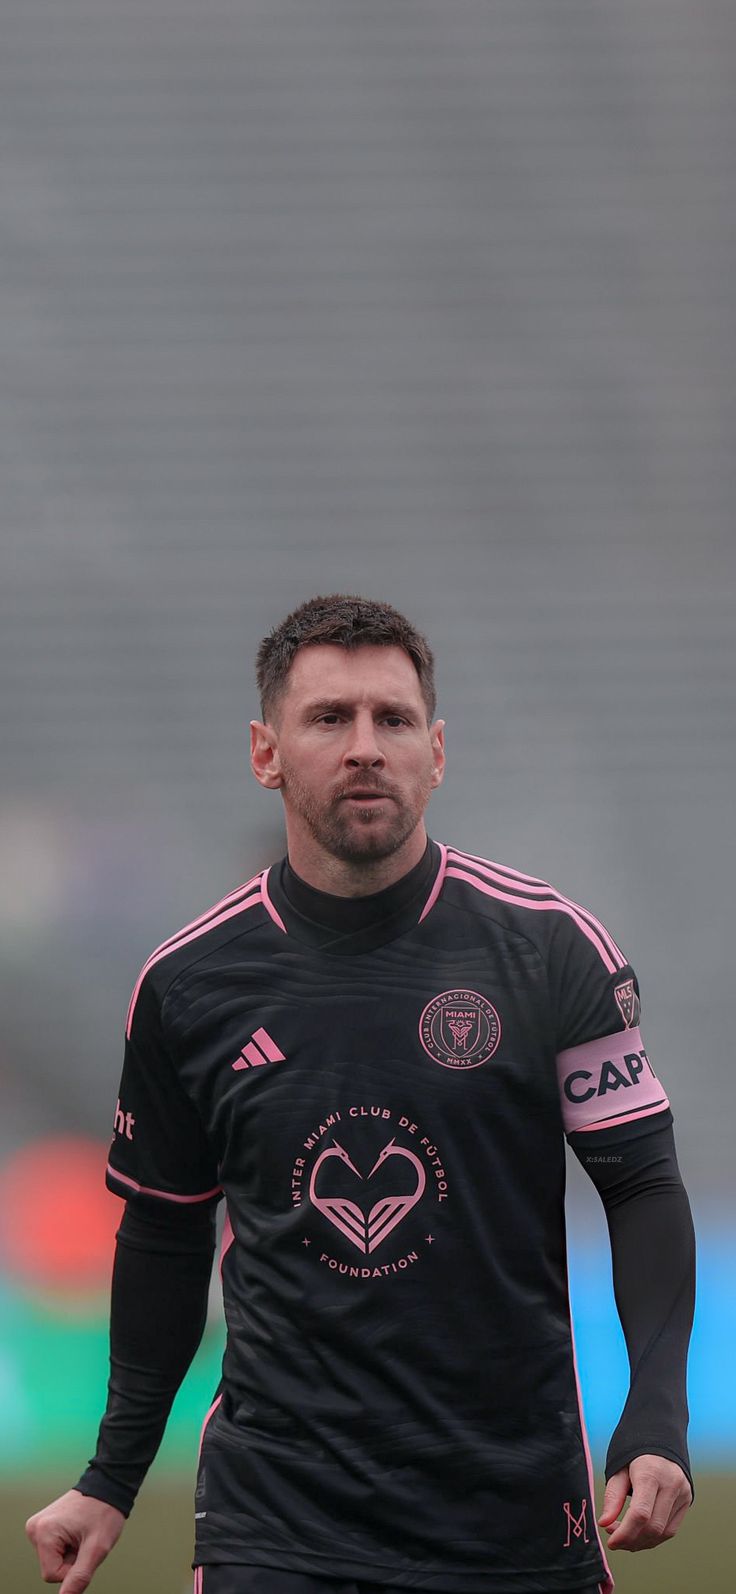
(437, 887)
(232, 896)
(501, 872)
(197, 928)
(508, 877)
(164, 1195)
(558, 906)
(533, 883)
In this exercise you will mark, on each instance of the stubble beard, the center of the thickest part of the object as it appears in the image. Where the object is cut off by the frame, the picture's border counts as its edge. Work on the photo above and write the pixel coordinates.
(353, 834)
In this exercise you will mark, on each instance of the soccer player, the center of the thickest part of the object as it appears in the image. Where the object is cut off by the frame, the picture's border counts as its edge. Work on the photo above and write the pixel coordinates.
(375, 1049)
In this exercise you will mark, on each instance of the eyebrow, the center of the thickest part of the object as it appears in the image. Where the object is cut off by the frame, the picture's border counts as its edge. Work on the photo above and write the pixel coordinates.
(334, 705)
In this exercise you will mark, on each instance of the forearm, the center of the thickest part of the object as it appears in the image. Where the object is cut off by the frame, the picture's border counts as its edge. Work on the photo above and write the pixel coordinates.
(653, 1252)
(158, 1311)
(653, 1255)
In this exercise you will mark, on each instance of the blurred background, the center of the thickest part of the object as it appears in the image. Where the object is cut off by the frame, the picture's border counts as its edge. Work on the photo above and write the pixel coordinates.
(429, 302)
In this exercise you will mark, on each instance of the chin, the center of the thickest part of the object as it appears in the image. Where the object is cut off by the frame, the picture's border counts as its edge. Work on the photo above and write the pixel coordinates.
(368, 846)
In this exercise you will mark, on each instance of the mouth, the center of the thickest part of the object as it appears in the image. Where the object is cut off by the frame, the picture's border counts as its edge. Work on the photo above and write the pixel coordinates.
(364, 797)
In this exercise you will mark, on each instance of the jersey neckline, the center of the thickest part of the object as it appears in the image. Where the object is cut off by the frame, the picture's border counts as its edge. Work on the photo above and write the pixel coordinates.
(350, 925)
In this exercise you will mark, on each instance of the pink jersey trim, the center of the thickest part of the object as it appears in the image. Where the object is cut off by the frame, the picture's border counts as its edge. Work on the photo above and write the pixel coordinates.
(164, 1195)
(209, 913)
(608, 1586)
(183, 940)
(228, 1239)
(210, 1415)
(626, 1118)
(198, 1585)
(437, 887)
(501, 871)
(267, 903)
(558, 906)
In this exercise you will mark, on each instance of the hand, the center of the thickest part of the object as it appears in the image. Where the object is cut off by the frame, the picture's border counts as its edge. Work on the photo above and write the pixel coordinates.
(72, 1536)
(660, 1496)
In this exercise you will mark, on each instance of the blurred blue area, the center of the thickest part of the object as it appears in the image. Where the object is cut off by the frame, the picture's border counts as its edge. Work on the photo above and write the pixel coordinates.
(603, 1363)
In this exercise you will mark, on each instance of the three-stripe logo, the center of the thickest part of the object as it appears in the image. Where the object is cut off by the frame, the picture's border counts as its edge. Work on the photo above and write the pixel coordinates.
(260, 1049)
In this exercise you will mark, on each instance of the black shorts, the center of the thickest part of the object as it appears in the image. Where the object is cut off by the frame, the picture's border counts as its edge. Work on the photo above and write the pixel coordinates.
(225, 1578)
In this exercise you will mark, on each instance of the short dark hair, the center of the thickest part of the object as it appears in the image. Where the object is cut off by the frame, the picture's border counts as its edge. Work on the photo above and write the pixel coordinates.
(350, 622)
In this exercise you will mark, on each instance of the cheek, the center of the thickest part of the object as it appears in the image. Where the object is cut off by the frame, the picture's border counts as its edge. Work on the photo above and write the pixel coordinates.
(418, 776)
(312, 768)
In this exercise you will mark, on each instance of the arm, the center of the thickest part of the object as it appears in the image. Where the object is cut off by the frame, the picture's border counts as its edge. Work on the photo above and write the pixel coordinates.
(161, 1272)
(158, 1312)
(614, 1107)
(634, 1168)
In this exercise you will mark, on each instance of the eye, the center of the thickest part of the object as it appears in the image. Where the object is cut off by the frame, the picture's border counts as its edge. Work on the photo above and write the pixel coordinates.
(396, 719)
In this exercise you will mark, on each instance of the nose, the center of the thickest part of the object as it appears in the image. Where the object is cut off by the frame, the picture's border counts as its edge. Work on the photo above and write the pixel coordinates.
(363, 750)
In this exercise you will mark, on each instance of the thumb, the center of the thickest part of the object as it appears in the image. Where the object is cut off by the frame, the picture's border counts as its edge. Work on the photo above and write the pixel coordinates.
(617, 1488)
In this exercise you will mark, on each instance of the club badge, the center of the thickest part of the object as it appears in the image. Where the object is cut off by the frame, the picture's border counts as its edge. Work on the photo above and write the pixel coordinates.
(460, 1029)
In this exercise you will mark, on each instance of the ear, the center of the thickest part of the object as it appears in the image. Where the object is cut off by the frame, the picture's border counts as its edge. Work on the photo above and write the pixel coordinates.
(264, 755)
(437, 738)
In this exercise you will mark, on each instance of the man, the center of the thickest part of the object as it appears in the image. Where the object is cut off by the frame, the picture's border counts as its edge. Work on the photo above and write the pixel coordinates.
(375, 1049)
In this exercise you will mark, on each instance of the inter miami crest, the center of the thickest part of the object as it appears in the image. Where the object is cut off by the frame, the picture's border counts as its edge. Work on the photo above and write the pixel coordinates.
(460, 1029)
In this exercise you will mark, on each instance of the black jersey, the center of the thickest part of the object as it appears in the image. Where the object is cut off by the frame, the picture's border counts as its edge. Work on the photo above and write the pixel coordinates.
(384, 1108)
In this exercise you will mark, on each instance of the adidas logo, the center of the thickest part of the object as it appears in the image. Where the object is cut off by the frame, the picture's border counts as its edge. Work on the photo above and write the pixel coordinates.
(260, 1049)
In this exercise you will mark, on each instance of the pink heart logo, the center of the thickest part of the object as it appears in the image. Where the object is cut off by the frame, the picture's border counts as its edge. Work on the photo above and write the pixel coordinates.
(367, 1233)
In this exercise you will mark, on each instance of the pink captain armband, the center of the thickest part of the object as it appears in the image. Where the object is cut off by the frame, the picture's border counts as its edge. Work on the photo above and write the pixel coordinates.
(608, 1081)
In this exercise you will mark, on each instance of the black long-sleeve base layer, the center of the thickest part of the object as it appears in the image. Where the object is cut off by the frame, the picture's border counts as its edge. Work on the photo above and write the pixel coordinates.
(160, 1286)
(636, 1173)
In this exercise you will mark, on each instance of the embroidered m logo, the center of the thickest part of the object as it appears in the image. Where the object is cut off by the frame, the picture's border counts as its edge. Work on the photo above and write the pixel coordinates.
(576, 1525)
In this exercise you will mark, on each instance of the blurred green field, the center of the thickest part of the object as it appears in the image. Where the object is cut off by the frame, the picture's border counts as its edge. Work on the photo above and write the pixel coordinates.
(154, 1553)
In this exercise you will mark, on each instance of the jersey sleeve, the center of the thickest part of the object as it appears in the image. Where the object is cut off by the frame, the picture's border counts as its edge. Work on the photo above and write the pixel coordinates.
(604, 1072)
(159, 1150)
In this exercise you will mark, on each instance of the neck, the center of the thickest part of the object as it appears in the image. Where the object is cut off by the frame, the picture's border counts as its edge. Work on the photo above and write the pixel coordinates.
(348, 878)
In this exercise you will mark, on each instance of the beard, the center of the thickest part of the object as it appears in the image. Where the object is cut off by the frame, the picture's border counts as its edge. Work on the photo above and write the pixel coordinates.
(352, 833)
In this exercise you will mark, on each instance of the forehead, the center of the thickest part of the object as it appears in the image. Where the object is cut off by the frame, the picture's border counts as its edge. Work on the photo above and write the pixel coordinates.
(362, 674)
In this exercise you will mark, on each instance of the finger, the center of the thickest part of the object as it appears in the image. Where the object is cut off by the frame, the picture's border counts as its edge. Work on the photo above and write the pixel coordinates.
(630, 1533)
(676, 1518)
(55, 1548)
(642, 1531)
(672, 1501)
(80, 1576)
(32, 1527)
(614, 1498)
